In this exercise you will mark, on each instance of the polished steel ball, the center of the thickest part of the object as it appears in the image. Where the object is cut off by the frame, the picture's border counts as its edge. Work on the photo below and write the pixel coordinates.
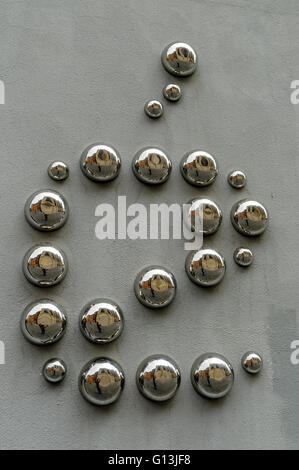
(205, 267)
(45, 265)
(101, 381)
(237, 179)
(155, 287)
(154, 109)
(243, 257)
(101, 321)
(158, 377)
(179, 59)
(58, 171)
(46, 210)
(204, 216)
(43, 322)
(151, 166)
(199, 168)
(100, 163)
(54, 370)
(212, 375)
(252, 362)
(172, 92)
(249, 217)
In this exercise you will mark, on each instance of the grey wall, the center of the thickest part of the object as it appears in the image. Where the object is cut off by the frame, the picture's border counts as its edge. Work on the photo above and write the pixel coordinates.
(80, 71)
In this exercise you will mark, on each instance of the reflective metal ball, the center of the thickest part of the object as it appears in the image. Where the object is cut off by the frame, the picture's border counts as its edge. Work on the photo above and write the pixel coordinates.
(54, 370)
(252, 362)
(154, 109)
(237, 179)
(46, 210)
(199, 168)
(172, 92)
(158, 377)
(205, 267)
(101, 321)
(179, 59)
(100, 163)
(249, 217)
(43, 322)
(101, 381)
(58, 171)
(212, 375)
(151, 166)
(155, 287)
(243, 256)
(203, 216)
(45, 265)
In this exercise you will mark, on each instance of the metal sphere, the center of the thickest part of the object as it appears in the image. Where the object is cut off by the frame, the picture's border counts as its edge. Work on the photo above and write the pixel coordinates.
(237, 179)
(54, 370)
(172, 92)
(154, 109)
(58, 171)
(155, 287)
(151, 166)
(45, 265)
(252, 362)
(243, 257)
(100, 163)
(179, 59)
(212, 375)
(204, 216)
(46, 210)
(205, 267)
(101, 321)
(249, 217)
(199, 168)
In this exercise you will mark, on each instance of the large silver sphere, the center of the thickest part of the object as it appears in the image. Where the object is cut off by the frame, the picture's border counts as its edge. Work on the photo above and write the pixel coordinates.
(58, 171)
(158, 377)
(100, 163)
(45, 265)
(172, 92)
(46, 210)
(252, 362)
(205, 267)
(204, 216)
(43, 322)
(151, 165)
(199, 168)
(101, 381)
(237, 179)
(243, 257)
(212, 375)
(249, 217)
(155, 287)
(101, 321)
(179, 59)
(54, 370)
(154, 109)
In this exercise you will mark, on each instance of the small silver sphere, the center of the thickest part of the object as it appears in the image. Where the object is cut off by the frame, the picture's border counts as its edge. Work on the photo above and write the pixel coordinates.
(205, 267)
(158, 378)
(179, 59)
(249, 217)
(46, 210)
(172, 92)
(100, 163)
(43, 322)
(54, 370)
(101, 321)
(151, 166)
(252, 362)
(204, 216)
(199, 168)
(155, 287)
(212, 375)
(58, 171)
(154, 109)
(101, 381)
(45, 265)
(243, 257)
(237, 179)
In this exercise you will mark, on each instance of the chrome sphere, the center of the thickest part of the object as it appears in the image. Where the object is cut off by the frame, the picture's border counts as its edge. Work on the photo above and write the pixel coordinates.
(45, 265)
(100, 163)
(151, 166)
(252, 362)
(237, 179)
(54, 370)
(179, 59)
(154, 109)
(58, 171)
(155, 287)
(212, 375)
(43, 322)
(158, 377)
(243, 257)
(101, 381)
(199, 168)
(205, 267)
(249, 217)
(172, 92)
(101, 321)
(204, 216)
(46, 210)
